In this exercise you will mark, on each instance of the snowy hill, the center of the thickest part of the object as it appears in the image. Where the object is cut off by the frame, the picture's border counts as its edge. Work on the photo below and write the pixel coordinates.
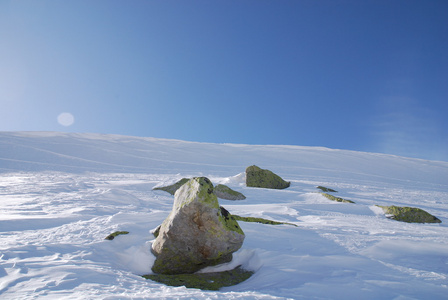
(61, 194)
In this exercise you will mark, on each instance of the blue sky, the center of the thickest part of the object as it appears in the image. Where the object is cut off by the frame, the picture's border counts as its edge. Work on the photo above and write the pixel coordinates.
(358, 75)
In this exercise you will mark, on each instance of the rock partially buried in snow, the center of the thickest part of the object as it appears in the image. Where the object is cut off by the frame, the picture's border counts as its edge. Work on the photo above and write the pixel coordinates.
(256, 177)
(197, 233)
(224, 192)
(172, 188)
(409, 214)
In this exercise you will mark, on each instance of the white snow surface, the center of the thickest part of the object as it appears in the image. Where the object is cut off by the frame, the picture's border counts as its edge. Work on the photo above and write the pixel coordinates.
(61, 194)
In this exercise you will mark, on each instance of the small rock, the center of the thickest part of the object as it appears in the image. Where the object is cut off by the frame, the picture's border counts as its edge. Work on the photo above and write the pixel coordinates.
(172, 188)
(224, 192)
(409, 214)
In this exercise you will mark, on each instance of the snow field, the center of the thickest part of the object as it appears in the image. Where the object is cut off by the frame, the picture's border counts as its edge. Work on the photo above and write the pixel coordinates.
(53, 221)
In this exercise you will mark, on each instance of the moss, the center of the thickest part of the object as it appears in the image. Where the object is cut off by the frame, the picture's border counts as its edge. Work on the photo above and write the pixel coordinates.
(204, 281)
(260, 220)
(224, 192)
(113, 235)
(206, 194)
(230, 221)
(256, 177)
(326, 190)
(337, 199)
(172, 188)
(409, 214)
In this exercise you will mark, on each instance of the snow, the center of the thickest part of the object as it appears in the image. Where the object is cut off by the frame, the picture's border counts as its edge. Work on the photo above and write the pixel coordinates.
(61, 194)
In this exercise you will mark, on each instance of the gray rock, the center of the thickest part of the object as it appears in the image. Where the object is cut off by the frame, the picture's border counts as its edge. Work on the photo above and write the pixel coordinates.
(224, 192)
(172, 188)
(256, 177)
(197, 233)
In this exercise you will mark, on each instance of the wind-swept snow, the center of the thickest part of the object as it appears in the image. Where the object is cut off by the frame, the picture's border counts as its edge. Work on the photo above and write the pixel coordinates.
(62, 194)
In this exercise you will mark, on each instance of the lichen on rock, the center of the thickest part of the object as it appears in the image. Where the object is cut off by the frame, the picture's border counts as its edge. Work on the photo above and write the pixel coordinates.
(409, 214)
(257, 177)
(197, 233)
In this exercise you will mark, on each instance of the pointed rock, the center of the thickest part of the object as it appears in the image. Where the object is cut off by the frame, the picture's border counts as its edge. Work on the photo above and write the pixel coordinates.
(197, 233)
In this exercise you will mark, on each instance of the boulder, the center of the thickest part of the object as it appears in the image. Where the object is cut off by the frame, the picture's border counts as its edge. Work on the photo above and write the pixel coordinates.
(197, 233)
(224, 192)
(409, 214)
(256, 177)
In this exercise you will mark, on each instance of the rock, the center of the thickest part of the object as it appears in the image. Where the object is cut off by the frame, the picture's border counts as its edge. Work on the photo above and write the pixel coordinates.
(326, 190)
(204, 281)
(224, 192)
(337, 199)
(172, 188)
(111, 236)
(197, 233)
(409, 214)
(256, 177)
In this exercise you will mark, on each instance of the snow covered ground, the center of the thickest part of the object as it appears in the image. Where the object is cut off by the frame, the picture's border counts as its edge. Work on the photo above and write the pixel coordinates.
(61, 194)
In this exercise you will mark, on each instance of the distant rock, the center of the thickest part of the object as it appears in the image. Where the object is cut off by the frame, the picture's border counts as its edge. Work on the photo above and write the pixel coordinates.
(409, 214)
(326, 190)
(111, 236)
(334, 198)
(174, 187)
(197, 233)
(256, 177)
(224, 192)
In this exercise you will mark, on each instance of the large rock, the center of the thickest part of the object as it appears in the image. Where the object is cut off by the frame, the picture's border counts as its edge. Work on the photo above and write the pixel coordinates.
(197, 233)
(256, 177)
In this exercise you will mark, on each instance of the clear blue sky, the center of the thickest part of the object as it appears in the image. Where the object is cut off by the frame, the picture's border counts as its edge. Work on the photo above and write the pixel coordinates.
(357, 75)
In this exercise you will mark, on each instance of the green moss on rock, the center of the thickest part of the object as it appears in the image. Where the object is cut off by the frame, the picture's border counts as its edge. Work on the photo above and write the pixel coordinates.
(172, 188)
(257, 177)
(409, 214)
(113, 235)
(224, 192)
(260, 220)
(326, 190)
(230, 221)
(337, 199)
(204, 281)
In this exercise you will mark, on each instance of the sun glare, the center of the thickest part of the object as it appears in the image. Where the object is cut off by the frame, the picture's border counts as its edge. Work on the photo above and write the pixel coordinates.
(66, 119)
